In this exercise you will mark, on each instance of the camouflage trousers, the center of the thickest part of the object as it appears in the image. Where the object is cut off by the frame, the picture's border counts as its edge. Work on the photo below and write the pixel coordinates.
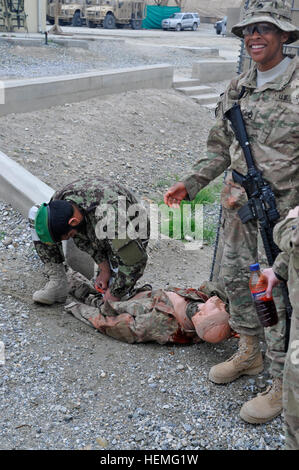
(150, 317)
(291, 385)
(240, 248)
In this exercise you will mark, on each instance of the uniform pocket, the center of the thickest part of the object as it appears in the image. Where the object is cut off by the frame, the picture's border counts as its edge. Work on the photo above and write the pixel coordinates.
(233, 196)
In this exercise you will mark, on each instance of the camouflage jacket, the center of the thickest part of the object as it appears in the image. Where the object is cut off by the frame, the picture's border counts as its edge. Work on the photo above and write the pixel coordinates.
(286, 235)
(105, 205)
(272, 122)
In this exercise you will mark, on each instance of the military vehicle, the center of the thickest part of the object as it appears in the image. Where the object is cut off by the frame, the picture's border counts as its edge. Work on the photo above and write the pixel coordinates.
(116, 13)
(70, 12)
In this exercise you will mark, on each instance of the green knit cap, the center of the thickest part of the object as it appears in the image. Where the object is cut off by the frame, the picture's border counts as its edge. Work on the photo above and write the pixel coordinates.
(41, 224)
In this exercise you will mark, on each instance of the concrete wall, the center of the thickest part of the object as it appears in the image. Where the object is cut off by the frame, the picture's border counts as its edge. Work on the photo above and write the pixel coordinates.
(233, 17)
(36, 19)
(38, 93)
(209, 71)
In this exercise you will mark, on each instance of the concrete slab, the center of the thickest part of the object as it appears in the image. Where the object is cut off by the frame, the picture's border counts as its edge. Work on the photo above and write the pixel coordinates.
(38, 93)
(196, 50)
(83, 42)
(37, 42)
(29, 42)
(84, 39)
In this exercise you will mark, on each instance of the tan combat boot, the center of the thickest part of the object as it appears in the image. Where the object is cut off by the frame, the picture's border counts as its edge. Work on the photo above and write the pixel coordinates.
(247, 360)
(56, 289)
(265, 406)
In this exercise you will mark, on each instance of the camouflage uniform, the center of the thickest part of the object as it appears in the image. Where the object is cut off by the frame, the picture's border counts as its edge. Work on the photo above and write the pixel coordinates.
(272, 120)
(286, 235)
(150, 317)
(127, 257)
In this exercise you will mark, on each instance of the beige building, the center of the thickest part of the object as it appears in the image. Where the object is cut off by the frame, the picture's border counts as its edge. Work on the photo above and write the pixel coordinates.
(36, 19)
(205, 8)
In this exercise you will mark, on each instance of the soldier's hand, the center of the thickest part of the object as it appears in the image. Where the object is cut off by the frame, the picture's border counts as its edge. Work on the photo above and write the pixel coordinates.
(102, 280)
(272, 280)
(293, 213)
(109, 296)
(175, 195)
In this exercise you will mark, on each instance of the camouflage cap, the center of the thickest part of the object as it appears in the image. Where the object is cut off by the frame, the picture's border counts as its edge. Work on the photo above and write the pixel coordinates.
(268, 11)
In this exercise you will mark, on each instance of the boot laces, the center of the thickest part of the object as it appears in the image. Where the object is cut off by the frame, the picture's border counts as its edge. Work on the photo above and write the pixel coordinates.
(242, 348)
(274, 389)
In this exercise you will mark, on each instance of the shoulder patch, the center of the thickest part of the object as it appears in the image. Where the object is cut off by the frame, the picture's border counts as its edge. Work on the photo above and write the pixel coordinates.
(295, 92)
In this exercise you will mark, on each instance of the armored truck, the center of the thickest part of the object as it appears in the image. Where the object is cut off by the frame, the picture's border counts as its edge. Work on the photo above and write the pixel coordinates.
(70, 12)
(116, 13)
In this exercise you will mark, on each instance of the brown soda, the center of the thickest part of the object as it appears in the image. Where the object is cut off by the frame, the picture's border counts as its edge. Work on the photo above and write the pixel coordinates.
(265, 306)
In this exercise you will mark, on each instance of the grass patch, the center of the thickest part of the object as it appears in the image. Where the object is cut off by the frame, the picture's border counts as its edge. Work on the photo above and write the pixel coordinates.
(2, 235)
(209, 195)
(209, 234)
(181, 222)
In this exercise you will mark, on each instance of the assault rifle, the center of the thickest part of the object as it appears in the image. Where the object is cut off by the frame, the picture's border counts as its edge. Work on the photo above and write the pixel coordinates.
(261, 205)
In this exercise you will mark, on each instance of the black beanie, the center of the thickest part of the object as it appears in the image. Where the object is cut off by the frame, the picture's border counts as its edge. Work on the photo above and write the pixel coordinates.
(60, 212)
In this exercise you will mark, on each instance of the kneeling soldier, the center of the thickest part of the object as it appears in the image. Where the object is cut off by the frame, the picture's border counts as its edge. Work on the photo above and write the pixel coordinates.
(97, 214)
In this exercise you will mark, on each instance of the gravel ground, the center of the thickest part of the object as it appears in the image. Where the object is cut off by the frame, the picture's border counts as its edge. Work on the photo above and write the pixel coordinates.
(18, 61)
(63, 384)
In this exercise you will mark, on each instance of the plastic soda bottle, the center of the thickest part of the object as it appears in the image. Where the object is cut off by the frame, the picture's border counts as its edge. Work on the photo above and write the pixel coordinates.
(265, 306)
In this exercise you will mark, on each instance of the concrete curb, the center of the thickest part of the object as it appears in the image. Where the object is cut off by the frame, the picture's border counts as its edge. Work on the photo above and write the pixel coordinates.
(83, 43)
(26, 95)
(19, 187)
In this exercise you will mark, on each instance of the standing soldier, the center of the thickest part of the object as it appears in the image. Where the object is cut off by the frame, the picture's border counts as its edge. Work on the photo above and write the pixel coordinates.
(268, 96)
(96, 213)
(286, 235)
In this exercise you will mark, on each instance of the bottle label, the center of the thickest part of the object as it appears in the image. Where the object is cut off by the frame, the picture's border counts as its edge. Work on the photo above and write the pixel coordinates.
(260, 296)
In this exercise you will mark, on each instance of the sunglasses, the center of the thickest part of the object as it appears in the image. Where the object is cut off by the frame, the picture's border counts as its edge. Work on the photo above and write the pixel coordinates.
(260, 28)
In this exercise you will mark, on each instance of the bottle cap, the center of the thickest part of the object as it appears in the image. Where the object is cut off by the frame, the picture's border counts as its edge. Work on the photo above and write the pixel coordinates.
(254, 267)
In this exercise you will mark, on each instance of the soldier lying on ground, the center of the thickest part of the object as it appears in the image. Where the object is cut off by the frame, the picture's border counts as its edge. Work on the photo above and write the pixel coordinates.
(163, 316)
(92, 211)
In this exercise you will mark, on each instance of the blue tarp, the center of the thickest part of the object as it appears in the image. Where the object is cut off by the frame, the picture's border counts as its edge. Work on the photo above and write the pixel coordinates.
(155, 14)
